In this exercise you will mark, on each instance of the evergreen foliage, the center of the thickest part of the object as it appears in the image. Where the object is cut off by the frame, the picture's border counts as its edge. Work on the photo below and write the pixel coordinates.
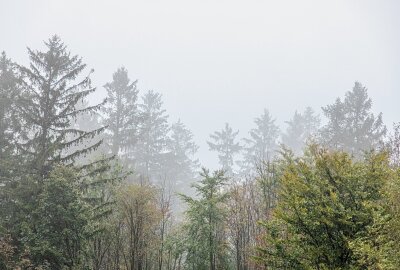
(351, 125)
(206, 243)
(262, 144)
(301, 128)
(65, 203)
(121, 112)
(225, 144)
(150, 151)
(181, 162)
(51, 90)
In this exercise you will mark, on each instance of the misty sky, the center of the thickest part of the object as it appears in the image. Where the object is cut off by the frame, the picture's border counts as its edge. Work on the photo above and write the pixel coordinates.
(224, 61)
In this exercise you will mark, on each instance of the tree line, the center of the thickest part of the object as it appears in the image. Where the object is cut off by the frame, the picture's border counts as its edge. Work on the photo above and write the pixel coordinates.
(115, 185)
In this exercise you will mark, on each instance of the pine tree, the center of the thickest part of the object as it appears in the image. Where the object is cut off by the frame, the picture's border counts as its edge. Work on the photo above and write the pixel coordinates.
(351, 124)
(224, 143)
(121, 112)
(150, 151)
(262, 142)
(300, 129)
(51, 91)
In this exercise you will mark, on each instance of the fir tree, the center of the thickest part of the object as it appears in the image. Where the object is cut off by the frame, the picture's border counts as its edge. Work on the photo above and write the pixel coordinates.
(9, 124)
(121, 112)
(51, 91)
(57, 235)
(87, 122)
(181, 163)
(393, 145)
(312, 122)
(206, 216)
(351, 124)
(150, 151)
(300, 129)
(10, 164)
(224, 143)
(262, 142)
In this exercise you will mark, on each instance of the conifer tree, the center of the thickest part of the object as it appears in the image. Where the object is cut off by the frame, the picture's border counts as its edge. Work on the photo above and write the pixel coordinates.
(51, 90)
(121, 112)
(87, 122)
(150, 151)
(262, 142)
(312, 121)
(351, 125)
(393, 145)
(224, 143)
(9, 124)
(10, 165)
(181, 163)
(300, 129)
(206, 248)
(57, 235)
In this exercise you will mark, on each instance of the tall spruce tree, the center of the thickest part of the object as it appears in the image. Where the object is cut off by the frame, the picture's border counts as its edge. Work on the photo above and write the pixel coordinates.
(225, 144)
(262, 142)
(351, 125)
(51, 91)
(121, 112)
(300, 128)
(150, 151)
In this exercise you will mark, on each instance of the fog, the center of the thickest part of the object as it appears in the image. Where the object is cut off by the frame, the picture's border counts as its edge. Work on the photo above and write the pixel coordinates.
(224, 61)
(195, 135)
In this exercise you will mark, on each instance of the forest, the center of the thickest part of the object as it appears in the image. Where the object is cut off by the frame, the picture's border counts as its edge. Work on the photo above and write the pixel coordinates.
(115, 185)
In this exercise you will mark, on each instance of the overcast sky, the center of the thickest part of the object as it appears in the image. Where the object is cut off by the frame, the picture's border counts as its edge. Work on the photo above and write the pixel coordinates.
(224, 61)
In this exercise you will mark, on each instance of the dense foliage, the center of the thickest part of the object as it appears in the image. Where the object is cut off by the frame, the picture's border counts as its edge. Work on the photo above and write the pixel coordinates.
(331, 213)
